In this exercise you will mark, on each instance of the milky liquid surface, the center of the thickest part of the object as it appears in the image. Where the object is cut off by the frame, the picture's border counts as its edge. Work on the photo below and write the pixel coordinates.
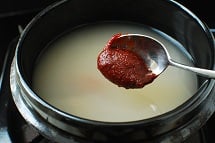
(67, 77)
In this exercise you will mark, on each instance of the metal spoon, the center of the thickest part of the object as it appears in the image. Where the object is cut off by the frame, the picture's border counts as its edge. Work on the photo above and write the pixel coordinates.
(154, 54)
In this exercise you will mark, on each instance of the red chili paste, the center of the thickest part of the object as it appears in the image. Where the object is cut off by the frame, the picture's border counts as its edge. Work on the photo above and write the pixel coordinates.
(124, 67)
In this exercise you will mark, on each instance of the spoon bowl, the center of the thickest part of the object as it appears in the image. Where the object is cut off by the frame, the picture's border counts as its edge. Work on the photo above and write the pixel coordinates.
(154, 54)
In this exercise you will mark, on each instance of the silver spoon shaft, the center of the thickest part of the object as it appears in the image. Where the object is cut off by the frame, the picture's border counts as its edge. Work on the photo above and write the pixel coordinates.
(199, 71)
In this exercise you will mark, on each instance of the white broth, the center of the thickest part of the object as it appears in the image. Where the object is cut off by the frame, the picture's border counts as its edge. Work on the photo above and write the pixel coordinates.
(66, 76)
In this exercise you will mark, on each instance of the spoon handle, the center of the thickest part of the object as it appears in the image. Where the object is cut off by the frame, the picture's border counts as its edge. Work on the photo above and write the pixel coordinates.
(199, 71)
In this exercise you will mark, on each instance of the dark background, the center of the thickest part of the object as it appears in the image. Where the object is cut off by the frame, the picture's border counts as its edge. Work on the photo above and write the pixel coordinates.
(202, 8)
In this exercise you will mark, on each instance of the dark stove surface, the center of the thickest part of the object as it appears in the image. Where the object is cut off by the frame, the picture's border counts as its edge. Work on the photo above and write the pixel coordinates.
(14, 16)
